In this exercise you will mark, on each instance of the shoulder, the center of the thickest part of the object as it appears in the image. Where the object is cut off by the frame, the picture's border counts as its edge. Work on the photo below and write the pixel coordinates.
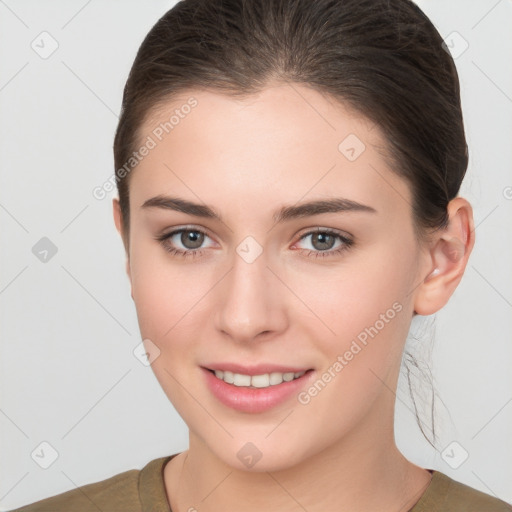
(447, 495)
(119, 492)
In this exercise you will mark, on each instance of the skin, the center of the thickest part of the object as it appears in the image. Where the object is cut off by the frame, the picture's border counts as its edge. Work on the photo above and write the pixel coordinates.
(246, 159)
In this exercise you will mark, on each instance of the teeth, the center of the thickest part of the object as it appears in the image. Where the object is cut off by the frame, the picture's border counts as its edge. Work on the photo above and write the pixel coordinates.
(241, 380)
(260, 381)
(275, 378)
(257, 381)
(229, 377)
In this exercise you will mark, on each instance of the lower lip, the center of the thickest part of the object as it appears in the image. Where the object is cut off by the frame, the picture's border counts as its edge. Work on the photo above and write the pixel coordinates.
(254, 400)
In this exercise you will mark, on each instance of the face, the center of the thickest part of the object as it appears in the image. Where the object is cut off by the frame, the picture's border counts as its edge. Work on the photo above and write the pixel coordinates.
(253, 282)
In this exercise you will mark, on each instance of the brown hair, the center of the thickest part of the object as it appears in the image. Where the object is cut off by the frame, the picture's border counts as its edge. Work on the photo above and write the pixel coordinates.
(383, 58)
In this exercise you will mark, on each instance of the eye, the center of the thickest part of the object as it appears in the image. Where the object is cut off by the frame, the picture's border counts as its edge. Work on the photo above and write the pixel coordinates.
(323, 242)
(190, 239)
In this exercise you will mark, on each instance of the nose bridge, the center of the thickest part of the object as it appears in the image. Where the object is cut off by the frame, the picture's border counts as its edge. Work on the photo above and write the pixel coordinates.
(249, 301)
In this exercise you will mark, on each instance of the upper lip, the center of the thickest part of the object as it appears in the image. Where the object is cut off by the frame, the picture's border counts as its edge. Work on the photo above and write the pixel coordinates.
(257, 369)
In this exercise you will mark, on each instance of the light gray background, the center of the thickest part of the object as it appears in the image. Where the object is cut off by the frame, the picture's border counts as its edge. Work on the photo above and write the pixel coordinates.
(68, 326)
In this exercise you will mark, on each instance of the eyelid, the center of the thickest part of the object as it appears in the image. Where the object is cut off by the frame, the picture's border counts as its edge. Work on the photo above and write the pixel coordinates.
(323, 229)
(186, 227)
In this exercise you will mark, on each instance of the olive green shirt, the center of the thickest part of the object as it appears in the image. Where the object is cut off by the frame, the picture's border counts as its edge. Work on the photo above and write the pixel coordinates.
(144, 491)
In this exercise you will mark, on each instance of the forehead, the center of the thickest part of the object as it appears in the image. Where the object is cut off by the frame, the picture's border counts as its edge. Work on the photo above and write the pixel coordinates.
(287, 140)
(292, 112)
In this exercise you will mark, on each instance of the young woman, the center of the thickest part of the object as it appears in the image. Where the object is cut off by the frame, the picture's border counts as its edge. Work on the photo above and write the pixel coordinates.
(288, 175)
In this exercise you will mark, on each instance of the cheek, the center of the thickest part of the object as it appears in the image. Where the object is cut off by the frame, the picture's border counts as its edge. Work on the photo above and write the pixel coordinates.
(363, 311)
(165, 295)
(370, 317)
(171, 310)
(351, 298)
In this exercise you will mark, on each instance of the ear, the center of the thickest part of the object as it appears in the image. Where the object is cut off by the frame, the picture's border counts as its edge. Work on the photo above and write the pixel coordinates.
(118, 220)
(448, 256)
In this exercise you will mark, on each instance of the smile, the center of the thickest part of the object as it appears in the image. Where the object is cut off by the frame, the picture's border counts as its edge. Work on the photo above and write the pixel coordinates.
(256, 393)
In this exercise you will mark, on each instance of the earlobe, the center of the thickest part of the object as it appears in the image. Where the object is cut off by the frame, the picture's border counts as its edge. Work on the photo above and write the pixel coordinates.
(449, 254)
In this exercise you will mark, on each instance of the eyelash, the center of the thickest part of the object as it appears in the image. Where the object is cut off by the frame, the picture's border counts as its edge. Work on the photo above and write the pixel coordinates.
(192, 253)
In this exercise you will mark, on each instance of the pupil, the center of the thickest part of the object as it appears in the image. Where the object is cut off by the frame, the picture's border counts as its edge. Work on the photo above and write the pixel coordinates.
(192, 236)
(324, 239)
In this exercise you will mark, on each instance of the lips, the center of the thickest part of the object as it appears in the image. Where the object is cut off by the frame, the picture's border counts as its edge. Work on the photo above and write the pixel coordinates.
(251, 399)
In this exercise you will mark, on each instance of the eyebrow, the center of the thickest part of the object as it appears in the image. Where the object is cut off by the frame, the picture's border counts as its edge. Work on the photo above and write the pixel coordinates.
(334, 205)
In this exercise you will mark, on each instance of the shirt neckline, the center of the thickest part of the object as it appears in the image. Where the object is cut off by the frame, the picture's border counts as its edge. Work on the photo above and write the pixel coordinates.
(153, 495)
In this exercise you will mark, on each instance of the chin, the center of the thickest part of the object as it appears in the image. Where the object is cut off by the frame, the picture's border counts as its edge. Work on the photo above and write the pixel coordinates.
(259, 454)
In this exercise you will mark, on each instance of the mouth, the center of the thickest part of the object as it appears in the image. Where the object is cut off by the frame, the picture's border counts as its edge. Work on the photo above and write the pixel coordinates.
(255, 391)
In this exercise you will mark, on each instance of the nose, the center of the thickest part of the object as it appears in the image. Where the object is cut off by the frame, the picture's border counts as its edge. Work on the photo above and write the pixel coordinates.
(251, 301)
